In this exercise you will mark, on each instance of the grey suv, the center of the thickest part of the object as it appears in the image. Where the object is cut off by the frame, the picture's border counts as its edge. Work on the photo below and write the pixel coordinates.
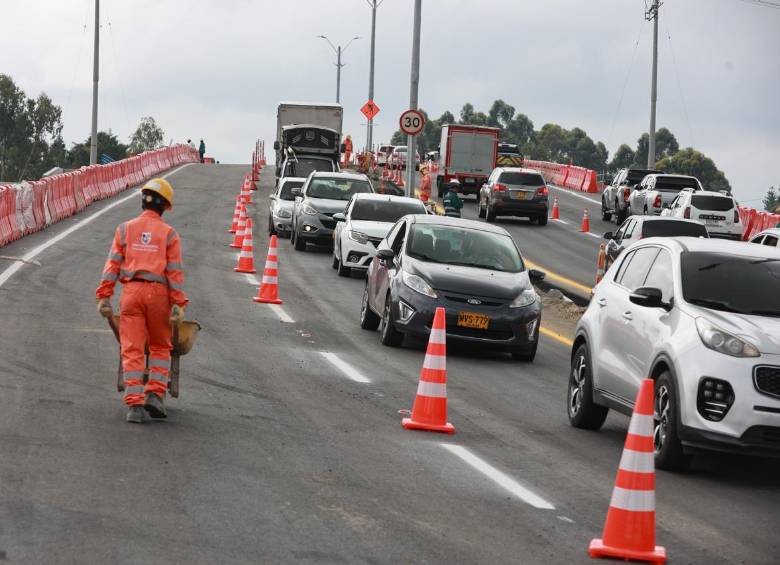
(322, 195)
(512, 191)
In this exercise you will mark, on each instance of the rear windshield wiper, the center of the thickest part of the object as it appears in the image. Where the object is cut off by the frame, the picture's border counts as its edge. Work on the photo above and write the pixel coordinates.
(715, 304)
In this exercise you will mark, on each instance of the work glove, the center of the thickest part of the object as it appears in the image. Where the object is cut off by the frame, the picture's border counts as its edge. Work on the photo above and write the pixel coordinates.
(177, 314)
(104, 307)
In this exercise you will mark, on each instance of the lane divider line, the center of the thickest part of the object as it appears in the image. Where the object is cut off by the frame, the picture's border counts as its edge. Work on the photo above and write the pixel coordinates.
(559, 278)
(573, 193)
(591, 234)
(10, 271)
(275, 308)
(501, 479)
(349, 371)
(564, 222)
(556, 336)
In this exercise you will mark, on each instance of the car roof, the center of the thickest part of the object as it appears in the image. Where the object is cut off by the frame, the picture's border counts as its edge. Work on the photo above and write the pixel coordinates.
(644, 219)
(328, 174)
(656, 175)
(702, 245)
(384, 197)
(711, 193)
(287, 179)
(768, 231)
(457, 222)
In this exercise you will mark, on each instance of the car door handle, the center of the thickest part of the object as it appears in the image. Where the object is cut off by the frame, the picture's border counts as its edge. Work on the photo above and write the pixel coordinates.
(602, 302)
(628, 316)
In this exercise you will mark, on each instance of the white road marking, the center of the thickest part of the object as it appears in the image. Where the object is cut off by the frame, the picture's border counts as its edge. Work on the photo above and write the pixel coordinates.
(591, 234)
(501, 479)
(349, 371)
(575, 194)
(10, 271)
(275, 308)
(252, 279)
(561, 221)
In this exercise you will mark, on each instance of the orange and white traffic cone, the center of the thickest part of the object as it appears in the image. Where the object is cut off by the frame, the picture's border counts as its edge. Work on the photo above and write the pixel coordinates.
(236, 216)
(246, 190)
(246, 259)
(238, 239)
(269, 289)
(430, 405)
(401, 182)
(629, 531)
(585, 227)
(601, 263)
(556, 214)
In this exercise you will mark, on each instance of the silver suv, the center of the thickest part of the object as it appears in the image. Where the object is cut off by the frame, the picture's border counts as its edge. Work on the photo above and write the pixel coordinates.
(614, 199)
(702, 318)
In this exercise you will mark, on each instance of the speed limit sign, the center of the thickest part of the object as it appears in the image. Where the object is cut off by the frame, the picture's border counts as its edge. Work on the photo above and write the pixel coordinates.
(412, 122)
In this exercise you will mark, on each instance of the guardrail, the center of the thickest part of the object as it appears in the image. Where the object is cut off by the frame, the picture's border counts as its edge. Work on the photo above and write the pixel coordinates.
(568, 176)
(30, 206)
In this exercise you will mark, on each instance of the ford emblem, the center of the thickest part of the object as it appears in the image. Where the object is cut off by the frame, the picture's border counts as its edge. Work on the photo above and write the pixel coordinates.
(475, 301)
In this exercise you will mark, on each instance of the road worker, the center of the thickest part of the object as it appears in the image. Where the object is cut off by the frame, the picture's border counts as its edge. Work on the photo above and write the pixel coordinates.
(347, 151)
(424, 190)
(452, 201)
(145, 257)
(202, 150)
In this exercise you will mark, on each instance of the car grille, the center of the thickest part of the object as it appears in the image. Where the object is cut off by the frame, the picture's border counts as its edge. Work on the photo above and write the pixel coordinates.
(498, 335)
(464, 300)
(762, 435)
(767, 380)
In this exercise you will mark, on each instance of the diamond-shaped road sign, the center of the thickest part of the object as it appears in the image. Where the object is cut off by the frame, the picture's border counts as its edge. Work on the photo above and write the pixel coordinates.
(370, 109)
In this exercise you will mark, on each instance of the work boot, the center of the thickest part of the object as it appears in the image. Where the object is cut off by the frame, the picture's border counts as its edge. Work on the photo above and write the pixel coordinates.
(135, 415)
(154, 405)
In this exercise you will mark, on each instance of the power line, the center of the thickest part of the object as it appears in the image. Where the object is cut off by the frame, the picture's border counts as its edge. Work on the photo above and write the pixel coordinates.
(764, 3)
(625, 84)
(679, 86)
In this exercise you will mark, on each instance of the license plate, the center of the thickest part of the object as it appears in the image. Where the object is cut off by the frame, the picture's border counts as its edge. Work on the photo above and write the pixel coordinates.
(468, 180)
(712, 222)
(519, 195)
(473, 320)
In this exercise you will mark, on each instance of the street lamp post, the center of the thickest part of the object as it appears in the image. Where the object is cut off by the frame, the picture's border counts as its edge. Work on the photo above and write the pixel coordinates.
(414, 83)
(370, 128)
(338, 51)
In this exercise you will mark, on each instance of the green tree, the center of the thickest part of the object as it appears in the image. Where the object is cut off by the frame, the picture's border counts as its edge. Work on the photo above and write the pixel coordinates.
(147, 136)
(771, 200)
(688, 161)
(500, 114)
(624, 157)
(665, 146)
(30, 133)
(519, 130)
(108, 144)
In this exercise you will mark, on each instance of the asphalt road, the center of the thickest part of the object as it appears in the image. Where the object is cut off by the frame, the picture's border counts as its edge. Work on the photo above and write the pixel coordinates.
(286, 446)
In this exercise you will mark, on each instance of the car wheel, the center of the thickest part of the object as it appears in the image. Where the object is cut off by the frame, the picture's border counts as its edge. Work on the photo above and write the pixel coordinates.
(390, 336)
(606, 215)
(490, 214)
(481, 212)
(527, 355)
(299, 244)
(340, 268)
(669, 453)
(583, 412)
(271, 229)
(542, 220)
(368, 319)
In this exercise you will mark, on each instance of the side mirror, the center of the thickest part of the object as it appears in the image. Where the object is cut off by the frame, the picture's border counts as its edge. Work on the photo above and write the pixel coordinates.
(339, 217)
(385, 255)
(276, 146)
(649, 297)
(297, 191)
(536, 275)
(609, 235)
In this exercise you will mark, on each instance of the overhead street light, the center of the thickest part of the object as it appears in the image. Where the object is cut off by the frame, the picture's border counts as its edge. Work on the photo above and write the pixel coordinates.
(338, 50)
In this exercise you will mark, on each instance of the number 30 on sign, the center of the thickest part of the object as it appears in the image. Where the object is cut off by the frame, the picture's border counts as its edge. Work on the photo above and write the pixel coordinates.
(412, 122)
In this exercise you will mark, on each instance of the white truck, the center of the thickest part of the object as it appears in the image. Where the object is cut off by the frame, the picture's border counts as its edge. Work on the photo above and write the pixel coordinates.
(467, 153)
(308, 130)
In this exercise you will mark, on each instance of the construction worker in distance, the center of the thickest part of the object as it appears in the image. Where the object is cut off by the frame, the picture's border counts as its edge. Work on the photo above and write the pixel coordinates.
(424, 190)
(452, 201)
(347, 151)
(145, 257)
(202, 150)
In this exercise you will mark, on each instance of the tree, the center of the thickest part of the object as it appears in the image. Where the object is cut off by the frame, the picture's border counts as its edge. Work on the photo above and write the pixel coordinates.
(695, 163)
(147, 136)
(771, 200)
(108, 144)
(519, 130)
(500, 114)
(665, 146)
(624, 157)
(30, 133)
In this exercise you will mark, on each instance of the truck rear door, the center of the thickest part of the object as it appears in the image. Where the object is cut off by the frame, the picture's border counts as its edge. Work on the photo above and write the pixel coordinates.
(471, 153)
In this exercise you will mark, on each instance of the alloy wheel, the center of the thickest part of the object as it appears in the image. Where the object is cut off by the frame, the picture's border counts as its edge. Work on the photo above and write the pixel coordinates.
(577, 386)
(661, 417)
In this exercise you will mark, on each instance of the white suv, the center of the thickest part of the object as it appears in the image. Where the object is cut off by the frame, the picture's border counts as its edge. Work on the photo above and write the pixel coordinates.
(715, 210)
(702, 318)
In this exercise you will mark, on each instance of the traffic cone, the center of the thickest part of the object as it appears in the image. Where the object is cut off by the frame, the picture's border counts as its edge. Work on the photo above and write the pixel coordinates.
(629, 531)
(401, 182)
(245, 190)
(246, 259)
(585, 227)
(269, 289)
(238, 239)
(556, 210)
(430, 405)
(601, 263)
(236, 216)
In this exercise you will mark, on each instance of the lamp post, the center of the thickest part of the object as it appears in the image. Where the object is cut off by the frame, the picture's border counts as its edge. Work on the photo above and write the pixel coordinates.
(338, 51)
(370, 128)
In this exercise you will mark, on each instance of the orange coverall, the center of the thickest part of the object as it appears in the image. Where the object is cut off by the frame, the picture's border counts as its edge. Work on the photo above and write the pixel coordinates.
(347, 151)
(145, 257)
(425, 187)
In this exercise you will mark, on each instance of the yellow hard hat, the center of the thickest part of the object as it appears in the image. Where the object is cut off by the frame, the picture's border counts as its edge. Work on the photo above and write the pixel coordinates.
(161, 187)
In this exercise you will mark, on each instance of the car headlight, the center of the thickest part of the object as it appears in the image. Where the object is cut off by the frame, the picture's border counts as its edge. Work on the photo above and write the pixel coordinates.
(309, 210)
(357, 236)
(418, 284)
(723, 342)
(525, 298)
(284, 214)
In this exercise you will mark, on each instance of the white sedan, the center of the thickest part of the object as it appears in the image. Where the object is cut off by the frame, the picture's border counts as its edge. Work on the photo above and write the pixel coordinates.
(366, 221)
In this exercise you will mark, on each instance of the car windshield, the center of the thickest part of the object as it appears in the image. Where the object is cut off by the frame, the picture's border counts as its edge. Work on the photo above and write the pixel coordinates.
(337, 188)
(672, 228)
(675, 184)
(732, 283)
(455, 245)
(375, 210)
(522, 179)
(711, 202)
(306, 165)
(285, 193)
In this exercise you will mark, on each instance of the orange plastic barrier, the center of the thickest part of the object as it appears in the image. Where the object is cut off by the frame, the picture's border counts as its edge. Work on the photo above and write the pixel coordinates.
(567, 176)
(31, 206)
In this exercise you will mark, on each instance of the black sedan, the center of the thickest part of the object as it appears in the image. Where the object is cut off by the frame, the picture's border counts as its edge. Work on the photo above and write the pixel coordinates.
(471, 269)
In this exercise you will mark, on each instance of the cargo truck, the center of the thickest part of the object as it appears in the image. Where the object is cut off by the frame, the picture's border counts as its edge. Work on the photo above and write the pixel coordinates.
(308, 137)
(467, 153)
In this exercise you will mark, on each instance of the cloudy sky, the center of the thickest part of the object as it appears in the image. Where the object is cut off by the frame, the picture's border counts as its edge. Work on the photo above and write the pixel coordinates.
(217, 68)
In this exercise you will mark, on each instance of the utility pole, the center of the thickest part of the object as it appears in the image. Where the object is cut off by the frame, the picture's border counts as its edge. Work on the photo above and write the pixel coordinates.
(370, 127)
(411, 143)
(95, 77)
(338, 50)
(652, 15)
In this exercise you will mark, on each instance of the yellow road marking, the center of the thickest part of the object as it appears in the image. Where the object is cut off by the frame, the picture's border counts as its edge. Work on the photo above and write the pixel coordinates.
(556, 336)
(559, 278)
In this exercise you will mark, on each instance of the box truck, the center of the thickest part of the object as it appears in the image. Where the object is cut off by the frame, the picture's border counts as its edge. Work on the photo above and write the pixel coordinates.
(467, 153)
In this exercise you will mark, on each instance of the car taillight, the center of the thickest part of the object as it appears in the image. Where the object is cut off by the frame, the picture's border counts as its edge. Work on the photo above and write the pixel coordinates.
(657, 203)
(499, 187)
(626, 194)
(542, 191)
(687, 213)
(736, 216)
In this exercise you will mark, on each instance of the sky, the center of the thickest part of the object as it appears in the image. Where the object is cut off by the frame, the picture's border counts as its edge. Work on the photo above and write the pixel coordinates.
(216, 69)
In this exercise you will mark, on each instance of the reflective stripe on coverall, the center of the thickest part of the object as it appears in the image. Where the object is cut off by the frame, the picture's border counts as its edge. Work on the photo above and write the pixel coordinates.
(145, 249)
